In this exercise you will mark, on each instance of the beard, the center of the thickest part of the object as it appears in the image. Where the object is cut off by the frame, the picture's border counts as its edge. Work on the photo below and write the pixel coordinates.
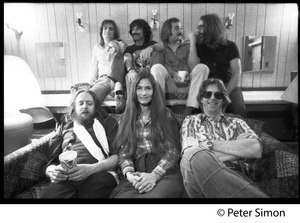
(85, 121)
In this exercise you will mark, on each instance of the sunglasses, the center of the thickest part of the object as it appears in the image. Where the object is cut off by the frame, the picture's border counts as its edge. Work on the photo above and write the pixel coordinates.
(218, 95)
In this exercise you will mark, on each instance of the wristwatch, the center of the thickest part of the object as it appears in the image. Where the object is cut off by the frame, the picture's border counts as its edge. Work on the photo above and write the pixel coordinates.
(210, 145)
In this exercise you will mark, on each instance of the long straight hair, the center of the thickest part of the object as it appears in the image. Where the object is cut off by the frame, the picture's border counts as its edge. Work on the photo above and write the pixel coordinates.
(214, 30)
(166, 29)
(116, 30)
(163, 129)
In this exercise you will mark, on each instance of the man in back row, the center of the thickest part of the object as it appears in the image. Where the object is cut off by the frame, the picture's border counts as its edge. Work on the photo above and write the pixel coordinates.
(174, 57)
(141, 33)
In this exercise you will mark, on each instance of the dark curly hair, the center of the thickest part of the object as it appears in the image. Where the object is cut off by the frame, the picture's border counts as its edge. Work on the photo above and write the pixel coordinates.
(142, 24)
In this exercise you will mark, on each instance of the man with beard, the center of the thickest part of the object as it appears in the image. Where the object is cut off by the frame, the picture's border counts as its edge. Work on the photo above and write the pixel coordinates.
(209, 43)
(175, 57)
(89, 131)
(141, 33)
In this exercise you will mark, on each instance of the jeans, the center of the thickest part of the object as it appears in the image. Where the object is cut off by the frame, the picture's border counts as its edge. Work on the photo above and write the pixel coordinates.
(97, 185)
(206, 176)
(104, 85)
(197, 76)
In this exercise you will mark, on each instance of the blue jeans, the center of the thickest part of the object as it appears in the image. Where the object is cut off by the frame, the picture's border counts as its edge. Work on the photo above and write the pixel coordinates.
(206, 176)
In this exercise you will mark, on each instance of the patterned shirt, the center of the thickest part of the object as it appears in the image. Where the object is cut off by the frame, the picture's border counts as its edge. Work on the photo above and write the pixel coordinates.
(200, 128)
(144, 146)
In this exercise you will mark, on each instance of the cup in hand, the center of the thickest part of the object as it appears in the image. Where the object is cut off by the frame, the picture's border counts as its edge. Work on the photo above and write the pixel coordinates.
(68, 159)
(182, 74)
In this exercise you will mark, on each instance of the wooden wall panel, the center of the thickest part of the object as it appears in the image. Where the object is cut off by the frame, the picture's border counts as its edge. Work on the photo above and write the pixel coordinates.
(56, 22)
(250, 30)
(72, 44)
(240, 27)
(272, 28)
(260, 29)
(62, 36)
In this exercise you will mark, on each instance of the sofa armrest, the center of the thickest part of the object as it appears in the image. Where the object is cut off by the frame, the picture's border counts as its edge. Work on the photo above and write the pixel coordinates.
(277, 171)
(22, 168)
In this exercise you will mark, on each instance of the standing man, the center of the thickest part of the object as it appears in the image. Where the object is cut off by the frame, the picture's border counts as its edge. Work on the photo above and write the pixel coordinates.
(175, 56)
(222, 57)
(214, 145)
(141, 33)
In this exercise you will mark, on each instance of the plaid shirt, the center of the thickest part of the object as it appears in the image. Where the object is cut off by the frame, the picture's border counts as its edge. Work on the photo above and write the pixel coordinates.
(200, 128)
(144, 146)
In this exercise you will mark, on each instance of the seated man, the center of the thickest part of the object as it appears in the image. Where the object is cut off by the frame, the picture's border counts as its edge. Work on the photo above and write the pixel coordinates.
(141, 33)
(213, 147)
(175, 58)
(89, 131)
(107, 71)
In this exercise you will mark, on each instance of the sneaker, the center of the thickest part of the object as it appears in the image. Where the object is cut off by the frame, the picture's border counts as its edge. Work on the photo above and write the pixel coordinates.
(188, 110)
(120, 103)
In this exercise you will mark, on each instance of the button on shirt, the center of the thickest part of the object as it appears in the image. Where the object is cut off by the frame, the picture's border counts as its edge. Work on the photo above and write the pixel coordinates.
(200, 128)
(176, 61)
(144, 146)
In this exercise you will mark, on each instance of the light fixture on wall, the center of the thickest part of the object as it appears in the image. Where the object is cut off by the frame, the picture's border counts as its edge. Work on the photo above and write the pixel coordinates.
(154, 24)
(18, 31)
(229, 20)
(83, 27)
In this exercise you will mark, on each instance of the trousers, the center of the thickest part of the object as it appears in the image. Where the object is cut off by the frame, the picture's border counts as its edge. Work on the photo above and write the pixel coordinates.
(237, 105)
(105, 85)
(97, 185)
(206, 176)
(197, 76)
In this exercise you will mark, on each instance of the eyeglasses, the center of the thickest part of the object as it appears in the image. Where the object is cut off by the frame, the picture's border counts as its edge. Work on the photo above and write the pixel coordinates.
(218, 95)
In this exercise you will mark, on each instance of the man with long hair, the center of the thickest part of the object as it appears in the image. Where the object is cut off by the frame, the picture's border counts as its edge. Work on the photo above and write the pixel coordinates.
(107, 71)
(89, 131)
(210, 44)
(214, 148)
(148, 142)
(175, 57)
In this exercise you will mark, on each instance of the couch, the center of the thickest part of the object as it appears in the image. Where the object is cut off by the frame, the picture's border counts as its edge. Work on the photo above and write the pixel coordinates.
(276, 172)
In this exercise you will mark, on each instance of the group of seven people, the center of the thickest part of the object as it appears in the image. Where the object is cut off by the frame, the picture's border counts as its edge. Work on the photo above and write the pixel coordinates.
(148, 153)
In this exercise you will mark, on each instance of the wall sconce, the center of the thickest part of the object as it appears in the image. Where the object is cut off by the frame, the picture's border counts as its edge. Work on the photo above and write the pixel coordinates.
(83, 27)
(154, 24)
(229, 20)
(18, 31)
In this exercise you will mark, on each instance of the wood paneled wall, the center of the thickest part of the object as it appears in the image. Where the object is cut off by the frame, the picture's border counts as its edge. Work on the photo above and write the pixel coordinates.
(56, 22)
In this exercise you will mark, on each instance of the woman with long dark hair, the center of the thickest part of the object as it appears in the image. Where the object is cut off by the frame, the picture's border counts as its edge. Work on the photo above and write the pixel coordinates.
(148, 142)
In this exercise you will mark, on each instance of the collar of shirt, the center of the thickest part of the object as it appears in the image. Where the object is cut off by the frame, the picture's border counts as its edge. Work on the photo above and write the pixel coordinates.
(141, 122)
(182, 43)
(221, 119)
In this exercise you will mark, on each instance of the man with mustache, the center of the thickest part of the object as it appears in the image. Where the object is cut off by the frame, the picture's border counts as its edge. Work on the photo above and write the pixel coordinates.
(175, 57)
(141, 33)
(89, 131)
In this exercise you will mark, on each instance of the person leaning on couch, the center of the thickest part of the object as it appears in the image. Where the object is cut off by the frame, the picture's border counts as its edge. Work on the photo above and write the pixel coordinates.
(214, 145)
(89, 131)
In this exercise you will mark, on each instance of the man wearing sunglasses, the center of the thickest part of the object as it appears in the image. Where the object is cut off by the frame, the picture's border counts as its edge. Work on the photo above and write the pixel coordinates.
(214, 146)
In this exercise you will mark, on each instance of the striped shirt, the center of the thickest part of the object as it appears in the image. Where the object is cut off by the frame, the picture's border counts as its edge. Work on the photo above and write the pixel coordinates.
(144, 146)
(199, 128)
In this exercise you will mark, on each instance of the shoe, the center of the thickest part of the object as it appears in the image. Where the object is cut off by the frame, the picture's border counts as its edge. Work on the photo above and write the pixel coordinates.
(120, 103)
(188, 110)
